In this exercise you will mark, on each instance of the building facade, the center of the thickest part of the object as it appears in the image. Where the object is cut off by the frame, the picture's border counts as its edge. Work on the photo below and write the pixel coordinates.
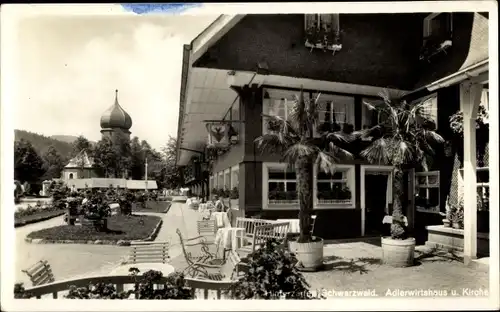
(245, 66)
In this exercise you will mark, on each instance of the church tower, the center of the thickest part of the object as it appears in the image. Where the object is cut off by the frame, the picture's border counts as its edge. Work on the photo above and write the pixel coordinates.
(116, 121)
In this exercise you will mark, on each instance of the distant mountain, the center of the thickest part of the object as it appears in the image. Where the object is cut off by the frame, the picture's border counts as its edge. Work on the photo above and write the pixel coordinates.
(64, 138)
(42, 143)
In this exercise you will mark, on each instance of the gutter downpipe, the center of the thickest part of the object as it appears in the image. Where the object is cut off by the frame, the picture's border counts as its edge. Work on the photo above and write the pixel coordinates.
(464, 74)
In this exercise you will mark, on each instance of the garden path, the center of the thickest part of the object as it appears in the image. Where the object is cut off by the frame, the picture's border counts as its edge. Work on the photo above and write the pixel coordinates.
(72, 260)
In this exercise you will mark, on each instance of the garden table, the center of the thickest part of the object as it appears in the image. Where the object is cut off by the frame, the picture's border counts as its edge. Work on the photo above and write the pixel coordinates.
(164, 268)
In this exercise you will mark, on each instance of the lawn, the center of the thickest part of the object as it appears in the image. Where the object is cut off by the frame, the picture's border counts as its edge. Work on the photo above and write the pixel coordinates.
(152, 206)
(36, 216)
(120, 227)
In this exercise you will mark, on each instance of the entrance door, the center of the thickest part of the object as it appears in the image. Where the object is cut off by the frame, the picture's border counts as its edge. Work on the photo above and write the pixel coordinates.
(375, 203)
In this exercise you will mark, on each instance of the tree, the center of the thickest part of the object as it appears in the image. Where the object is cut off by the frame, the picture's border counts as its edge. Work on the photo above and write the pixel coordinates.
(28, 165)
(137, 159)
(293, 139)
(170, 173)
(104, 156)
(404, 138)
(81, 143)
(53, 164)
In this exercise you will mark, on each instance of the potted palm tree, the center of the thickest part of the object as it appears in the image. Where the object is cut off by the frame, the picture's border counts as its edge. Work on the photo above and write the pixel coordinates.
(293, 138)
(404, 138)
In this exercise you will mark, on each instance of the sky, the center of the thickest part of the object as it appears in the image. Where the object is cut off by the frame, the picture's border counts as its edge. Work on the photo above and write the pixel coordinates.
(69, 68)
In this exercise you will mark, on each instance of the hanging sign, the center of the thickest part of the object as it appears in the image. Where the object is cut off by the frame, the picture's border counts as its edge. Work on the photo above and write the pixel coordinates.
(218, 134)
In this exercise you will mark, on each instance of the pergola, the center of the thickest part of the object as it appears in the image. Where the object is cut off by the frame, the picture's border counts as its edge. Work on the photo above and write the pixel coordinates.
(472, 81)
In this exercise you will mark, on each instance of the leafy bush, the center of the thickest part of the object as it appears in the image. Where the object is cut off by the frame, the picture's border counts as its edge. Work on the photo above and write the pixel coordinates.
(234, 193)
(271, 275)
(173, 288)
(20, 292)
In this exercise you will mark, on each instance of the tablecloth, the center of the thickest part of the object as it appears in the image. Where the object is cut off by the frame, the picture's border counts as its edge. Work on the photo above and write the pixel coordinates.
(221, 219)
(227, 238)
(294, 226)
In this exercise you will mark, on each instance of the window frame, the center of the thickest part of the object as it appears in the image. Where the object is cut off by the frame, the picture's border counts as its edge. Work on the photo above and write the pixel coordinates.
(427, 27)
(274, 96)
(227, 179)
(479, 185)
(235, 169)
(434, 111)
(350, 114)
(220, 175)
(418, 186)
(317, 20)
(350, 180)
(289, 204)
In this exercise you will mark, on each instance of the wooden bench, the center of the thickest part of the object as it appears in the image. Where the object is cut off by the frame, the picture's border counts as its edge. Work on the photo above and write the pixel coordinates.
(149, 252)
(263, 233)
(40, 273)
(294, 228)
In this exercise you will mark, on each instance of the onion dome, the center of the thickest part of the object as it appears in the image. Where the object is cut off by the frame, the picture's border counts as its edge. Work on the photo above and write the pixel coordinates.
(116, 117)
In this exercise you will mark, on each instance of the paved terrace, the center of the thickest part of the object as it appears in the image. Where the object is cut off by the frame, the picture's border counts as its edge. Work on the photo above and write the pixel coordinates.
(349, 265)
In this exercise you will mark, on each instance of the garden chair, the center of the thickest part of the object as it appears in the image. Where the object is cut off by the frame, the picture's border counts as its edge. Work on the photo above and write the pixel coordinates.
(149, 252)
(207, 229)
(200, 264)
(40, 273)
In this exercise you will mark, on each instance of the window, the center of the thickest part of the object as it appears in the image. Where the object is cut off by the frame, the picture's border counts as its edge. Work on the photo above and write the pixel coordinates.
(483, 187)
(281, 184)
(369, 117)
(438, 27)
(279, 103)
(485, 97)
(235, 172)
(430, 109)
(427, 191)
(227, 179)
(211, 185)
(322, 31)
(335, 113)
(335, 187)
(220, 180)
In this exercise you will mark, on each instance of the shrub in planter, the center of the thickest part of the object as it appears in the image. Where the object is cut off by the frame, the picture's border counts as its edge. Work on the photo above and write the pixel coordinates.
(271, 274)
(402, 139)
(294, 140)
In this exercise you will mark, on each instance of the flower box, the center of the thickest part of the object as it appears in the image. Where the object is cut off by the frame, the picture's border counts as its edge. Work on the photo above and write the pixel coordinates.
(334, 201)
(283, 201)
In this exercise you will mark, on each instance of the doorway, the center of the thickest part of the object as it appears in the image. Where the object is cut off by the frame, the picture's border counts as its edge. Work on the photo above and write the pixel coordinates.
(376, 198)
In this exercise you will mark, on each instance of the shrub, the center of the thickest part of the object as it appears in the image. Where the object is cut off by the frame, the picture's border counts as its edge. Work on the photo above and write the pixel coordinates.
(173, 288)
(271, 275)
(234, 193)
(20, 292)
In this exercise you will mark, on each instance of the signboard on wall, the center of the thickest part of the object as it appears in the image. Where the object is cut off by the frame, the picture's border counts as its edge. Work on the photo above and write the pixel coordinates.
(218, 134)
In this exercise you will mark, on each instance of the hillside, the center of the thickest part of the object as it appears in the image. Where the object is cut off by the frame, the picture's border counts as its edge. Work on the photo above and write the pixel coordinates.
(41, 143)
(64, 138)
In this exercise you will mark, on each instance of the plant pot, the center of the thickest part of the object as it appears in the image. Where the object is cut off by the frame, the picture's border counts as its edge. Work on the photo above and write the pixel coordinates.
(456, 225)
(446, 223)
(309, 255)
(398, 252)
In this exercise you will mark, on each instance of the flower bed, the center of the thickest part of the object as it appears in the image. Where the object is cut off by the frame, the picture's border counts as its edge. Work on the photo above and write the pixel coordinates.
(36, 213)
(39, 216)
(152, 206)
(119, 227)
